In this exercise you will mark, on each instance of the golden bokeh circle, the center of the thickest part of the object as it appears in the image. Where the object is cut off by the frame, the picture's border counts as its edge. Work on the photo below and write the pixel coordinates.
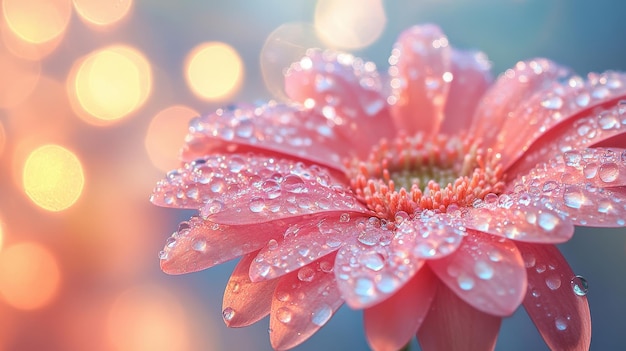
(214, 71)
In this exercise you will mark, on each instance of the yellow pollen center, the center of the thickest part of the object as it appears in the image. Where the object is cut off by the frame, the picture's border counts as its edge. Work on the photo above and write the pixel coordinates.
(412, 174)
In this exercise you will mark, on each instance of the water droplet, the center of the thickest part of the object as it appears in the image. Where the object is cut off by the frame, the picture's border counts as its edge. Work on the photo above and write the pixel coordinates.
(373, 261)
(228, 314)
(608, 172)
(483, 270)
(560, 323)
(326, 266)
(283, 314)
(387, 283)
(465, 281)
(553, 282)
(550, 186)
(163, 255)
(282, 295)
(236, 164)
(590, 170)
(321, 315)
(364, 286)
(294, 184)
(345, 217)
(579, 285)
(306, 274)
(548, 221)
(583, 99)
(552, 103)
(494, 254)
(272, 244)
(245, 128)
(256, 204)
(573, 198)
(529, 261)
(199, 245)
(535, 293)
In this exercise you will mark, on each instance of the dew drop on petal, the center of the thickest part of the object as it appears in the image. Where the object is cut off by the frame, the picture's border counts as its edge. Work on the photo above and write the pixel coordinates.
(560, 323)
(494, 254)
(548, 221)
(306, 274)
(326, 266)
(364, 287)
(483, 270)
(228, 314)
(579, 285)
(387, 283)
(256, 204)
(283, 314)
(465, 281)
(321, 315)
(529, 261)
(282, 296)
(272, 244)
(345, 217)
(553, 282)
(199, 245)
(373, 261)
(608, 172)
(552, 103)
(163, 255)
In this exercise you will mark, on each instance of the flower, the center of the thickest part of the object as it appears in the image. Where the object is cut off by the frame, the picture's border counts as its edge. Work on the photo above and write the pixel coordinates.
(431, 198)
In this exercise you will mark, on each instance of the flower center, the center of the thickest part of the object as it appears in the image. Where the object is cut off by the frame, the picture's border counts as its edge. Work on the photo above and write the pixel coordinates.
(412, 174)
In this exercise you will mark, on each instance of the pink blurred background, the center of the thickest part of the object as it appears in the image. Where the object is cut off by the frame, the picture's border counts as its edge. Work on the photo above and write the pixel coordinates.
(95, 97)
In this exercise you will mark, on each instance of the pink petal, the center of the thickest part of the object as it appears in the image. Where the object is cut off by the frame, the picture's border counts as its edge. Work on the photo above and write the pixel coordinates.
(471, 72)
(367, 268)
(291, 131)
(200, 244)
(510, 89)
(245, 189)
(453, 325)
(587, 186)
(420, 76)
(604, 126)
(303, 303)
(390, 324)
(518, 217)
(559, 104)
(347, 92)
(485, 271)
(246, 302)
(301, 244)
(561, 315)
(428, 236)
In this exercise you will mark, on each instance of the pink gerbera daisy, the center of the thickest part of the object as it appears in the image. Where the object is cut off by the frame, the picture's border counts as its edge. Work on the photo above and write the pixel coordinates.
(429, 197)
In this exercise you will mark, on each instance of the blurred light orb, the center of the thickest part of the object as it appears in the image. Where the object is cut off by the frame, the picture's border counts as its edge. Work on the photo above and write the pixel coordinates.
(19, 78)
(53, 177)
(29, 275)
(37, 21)
(213, 71)
(165, 133)
(147, 318)
(102, 13)
(285, 45)
(111, 83)
(349, 24)
(24, 49)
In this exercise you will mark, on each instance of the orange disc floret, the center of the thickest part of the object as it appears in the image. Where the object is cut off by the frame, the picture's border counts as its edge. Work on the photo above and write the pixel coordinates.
(412, 174)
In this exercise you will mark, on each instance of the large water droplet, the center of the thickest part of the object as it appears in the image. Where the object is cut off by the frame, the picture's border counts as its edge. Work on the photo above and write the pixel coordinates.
(548, 221)
(373, 261)
(199, 245)
(553, 282)
(608, 172)
(483, 270)
(306, 274)
(294, 184)
(228, 314)
(284, 315)
(465, 281)
(573, 198)
(321, 315)
(579, 285)
(256, 204)
(560, 323)
(364, 286)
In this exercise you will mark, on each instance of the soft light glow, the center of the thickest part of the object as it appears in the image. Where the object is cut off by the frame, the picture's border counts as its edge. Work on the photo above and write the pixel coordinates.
(29, 275)
(148, 318)
(349, 24)
(2, 138)
(102, 13)
(1, 233)
(165, 133)
(25, 49)
(37, 21)
(19, 78)
(110, 84)
(53, 177)
(213, 70)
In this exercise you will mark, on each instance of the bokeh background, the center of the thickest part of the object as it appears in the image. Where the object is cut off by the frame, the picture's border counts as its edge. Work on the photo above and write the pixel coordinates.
(94, 101)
